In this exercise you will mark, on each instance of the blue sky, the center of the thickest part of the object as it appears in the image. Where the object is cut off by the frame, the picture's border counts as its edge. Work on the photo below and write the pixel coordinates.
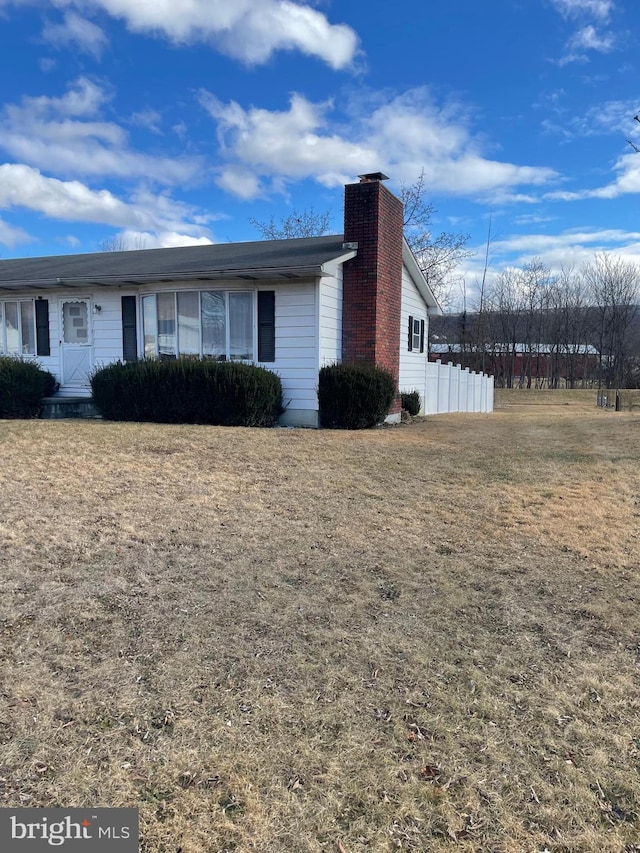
(175, 121)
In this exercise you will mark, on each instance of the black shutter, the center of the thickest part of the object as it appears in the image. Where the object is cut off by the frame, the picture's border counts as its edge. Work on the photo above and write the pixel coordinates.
(410, 334)
(266, 325)
(43, 345)
(129, 329)
(421, 335)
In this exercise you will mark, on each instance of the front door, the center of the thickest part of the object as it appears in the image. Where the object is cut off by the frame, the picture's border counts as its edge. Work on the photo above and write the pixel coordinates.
(75, 345)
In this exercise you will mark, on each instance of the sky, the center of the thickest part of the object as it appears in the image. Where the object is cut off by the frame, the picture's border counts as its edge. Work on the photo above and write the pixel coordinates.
(175, 122)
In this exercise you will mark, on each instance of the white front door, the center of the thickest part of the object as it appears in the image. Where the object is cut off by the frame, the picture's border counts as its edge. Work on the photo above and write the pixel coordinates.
(76, 345)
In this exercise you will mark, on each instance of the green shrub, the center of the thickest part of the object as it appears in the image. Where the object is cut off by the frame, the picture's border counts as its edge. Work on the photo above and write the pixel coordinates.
(411, 402)
(23, 384)
(354, 396)
(188, 391)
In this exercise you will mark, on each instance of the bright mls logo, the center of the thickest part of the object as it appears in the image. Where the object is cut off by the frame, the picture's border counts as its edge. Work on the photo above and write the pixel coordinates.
(86, 830)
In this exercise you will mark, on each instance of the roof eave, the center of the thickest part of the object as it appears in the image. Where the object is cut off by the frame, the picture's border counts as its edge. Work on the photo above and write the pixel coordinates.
(248, 274)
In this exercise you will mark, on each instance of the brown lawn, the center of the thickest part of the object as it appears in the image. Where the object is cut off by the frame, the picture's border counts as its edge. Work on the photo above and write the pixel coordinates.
(423, 638)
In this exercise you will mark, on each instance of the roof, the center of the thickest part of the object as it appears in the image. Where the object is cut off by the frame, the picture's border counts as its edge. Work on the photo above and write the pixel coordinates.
(261, 259)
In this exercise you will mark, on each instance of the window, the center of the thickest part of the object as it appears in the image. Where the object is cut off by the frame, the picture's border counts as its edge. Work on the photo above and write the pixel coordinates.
(240, 326)
(416, 335)
(213, 324)
(150, 326)
(17, 328)
(214, 334)
(75, 322)
(167, 340)
(188, 323)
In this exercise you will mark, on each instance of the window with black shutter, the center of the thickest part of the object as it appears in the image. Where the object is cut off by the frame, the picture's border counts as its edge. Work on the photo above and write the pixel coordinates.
(129, 329)
(266, 325)
(43, 344)
(416, 335)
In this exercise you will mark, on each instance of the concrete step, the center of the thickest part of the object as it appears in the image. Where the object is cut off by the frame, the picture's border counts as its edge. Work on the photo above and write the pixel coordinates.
(56, 408)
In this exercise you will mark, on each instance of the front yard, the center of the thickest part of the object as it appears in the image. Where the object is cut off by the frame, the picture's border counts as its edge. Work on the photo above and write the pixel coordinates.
(419, 638)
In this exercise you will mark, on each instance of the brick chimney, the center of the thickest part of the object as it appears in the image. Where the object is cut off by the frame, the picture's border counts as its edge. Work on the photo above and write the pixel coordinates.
(372, 286)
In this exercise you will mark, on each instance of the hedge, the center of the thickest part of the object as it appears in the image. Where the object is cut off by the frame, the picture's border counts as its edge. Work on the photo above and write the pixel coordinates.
(188, 390)
(354, 396)
(23, 384)
(411, 402)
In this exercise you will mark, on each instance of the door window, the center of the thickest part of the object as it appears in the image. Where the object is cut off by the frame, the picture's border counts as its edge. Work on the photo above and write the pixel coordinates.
(75, 322)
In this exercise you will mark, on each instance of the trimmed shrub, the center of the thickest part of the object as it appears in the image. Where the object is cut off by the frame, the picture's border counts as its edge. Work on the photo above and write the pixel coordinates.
(23, 384)
(188, 391)
(411, 402)
(354, 396)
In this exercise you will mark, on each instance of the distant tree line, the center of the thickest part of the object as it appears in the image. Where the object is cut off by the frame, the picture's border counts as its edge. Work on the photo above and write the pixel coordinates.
(580, 328)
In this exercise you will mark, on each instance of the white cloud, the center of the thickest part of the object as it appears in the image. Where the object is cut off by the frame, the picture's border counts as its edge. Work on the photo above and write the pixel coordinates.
(541, 244)
(76, 32)
(248, 30)
(24, 187)
(158, 240)
(600, 9)
(568, 58)
(398, 136)
(65, 135)
(627, 182)
(569, 248)
(610, 117)
(148, 119)
(533, 219)
(10, 235)
(588, 38)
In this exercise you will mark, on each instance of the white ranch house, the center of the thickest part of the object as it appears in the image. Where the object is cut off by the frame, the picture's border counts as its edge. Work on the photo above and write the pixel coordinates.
(289, 305)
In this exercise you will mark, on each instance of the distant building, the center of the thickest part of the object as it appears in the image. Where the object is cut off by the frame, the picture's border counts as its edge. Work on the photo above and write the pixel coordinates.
(526, 365)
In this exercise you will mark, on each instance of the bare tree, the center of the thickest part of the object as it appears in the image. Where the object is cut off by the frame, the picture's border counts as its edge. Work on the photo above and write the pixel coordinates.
(614, 286)
(569, 328)
(534, 283)
(120, 243)
(299, 223)
(438, 255)
(480, 323)
(504, 304)
(516, 316)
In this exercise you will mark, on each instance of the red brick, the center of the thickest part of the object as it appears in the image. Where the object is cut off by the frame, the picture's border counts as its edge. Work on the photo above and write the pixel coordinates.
(373, 279)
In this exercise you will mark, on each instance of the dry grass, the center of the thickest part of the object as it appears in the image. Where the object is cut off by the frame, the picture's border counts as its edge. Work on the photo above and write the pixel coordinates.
(545, 397)
(421, 638)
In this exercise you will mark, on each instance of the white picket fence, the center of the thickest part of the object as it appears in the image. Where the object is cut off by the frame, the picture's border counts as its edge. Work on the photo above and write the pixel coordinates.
(450, 388)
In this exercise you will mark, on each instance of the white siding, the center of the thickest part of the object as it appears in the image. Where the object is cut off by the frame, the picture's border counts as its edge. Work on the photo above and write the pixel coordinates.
(107, 327)
(297, 331)
(330, 316)
(296, 345)
(296, 336)
(106, 330)
(413, 365)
